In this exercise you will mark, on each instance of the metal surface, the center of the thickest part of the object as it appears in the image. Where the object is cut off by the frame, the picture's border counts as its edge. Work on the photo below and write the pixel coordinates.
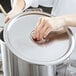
(39, 70)
(17, 38)
(9, 61)
(12, 63)
(5, 61)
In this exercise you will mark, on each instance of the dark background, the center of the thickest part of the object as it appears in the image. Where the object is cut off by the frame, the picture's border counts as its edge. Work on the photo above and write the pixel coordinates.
(6, 5)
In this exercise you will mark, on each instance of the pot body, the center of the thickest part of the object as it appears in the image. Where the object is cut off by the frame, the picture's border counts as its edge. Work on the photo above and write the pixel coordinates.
(20, 66)
(14, 66)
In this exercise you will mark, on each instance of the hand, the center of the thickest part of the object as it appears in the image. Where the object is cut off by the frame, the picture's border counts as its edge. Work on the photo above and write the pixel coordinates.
(47, 24)
(11, 14)
(18, 5)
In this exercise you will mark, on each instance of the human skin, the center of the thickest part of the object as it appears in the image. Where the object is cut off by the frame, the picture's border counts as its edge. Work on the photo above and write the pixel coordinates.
(44, 24)
(18, 5)
(47, 24)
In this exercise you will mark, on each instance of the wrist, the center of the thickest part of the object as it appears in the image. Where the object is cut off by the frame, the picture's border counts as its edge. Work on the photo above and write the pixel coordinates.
(19, 6)
(67, 20)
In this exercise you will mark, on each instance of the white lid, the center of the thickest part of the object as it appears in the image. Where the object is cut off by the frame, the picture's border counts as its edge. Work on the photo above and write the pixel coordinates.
(18, 39)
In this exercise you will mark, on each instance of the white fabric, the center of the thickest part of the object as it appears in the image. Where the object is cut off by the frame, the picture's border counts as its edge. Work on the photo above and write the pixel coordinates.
(60, 7)
(47, 3)
(35, 3)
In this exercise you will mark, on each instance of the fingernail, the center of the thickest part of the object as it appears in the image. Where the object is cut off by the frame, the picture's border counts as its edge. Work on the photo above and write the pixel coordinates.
(35, 39)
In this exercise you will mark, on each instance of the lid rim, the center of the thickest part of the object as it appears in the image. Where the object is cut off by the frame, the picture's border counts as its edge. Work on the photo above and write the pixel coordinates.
(40, 63)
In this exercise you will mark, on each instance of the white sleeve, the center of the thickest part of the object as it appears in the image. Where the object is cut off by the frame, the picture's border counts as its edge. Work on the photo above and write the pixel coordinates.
(33, 3)
(47, 3)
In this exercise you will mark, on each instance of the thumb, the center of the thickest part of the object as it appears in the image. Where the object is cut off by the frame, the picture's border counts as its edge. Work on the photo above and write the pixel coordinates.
(7, 19)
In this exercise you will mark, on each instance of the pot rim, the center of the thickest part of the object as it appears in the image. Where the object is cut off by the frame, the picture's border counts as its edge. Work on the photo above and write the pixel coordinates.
(68, 30)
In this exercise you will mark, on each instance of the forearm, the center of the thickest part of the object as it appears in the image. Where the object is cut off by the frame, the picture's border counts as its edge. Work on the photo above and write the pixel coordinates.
(70, 20)
(18, 5)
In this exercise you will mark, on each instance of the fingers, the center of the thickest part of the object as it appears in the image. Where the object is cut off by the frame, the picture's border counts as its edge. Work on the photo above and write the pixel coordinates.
(35, 31)
(9, 16)
(7, 19)
(46, 32)
(39, 26)
(42, 29)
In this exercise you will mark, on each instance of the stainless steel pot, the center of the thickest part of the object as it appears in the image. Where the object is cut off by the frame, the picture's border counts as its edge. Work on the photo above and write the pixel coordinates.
(42, 58)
